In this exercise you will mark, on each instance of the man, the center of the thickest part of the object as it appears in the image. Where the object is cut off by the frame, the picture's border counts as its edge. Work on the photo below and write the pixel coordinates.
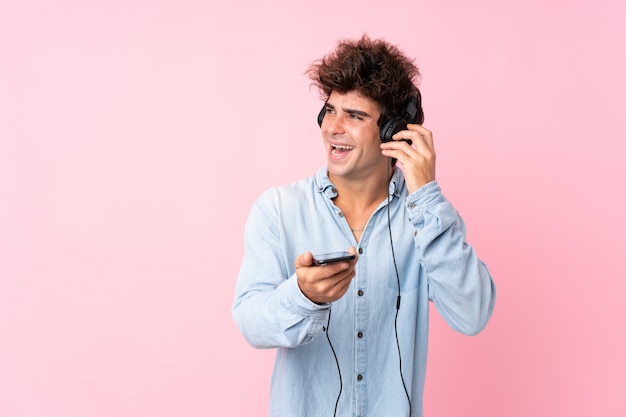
(352, 336)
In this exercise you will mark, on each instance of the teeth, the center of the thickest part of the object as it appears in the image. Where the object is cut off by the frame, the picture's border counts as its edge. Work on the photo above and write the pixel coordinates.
(347, 148)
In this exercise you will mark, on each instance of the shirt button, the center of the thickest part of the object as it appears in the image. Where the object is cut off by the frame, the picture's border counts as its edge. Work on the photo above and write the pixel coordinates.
(360, 293)
(411, 206)
(340, 214)
(360, 251)
(334, 190)
(359, 335)
(359, 377)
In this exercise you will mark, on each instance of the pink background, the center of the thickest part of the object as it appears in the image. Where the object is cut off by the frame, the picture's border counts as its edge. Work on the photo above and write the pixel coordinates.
(134, 137)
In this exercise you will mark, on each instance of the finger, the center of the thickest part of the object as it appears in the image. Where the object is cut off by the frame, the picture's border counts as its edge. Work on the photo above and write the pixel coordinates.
(341, 288)
(403, 153)
(336, 270)
(422, 142)
(413, 134)
(426, 134)
(400, 156)
(305, 259)
(342, 281)
(399, 145)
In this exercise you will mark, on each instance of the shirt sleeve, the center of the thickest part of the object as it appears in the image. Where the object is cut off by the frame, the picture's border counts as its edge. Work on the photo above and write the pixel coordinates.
(459, 283)
(269, 308)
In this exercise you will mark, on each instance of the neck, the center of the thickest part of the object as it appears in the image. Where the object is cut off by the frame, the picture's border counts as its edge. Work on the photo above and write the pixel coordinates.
(362, 194)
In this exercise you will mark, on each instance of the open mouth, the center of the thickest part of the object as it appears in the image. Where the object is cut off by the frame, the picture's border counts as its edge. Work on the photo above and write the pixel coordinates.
(339, 150)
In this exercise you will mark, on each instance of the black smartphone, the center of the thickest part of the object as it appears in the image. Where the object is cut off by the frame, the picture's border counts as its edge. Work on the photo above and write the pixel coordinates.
(329, 258)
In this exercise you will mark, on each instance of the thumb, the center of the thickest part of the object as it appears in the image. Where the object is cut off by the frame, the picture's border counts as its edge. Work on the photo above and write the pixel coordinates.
(305, 259)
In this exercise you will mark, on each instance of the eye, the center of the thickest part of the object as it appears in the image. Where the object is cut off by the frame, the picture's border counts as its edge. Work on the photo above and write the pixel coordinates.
(355, 117)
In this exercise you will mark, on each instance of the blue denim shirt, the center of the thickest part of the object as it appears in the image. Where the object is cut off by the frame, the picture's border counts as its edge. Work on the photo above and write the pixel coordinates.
(434, 262)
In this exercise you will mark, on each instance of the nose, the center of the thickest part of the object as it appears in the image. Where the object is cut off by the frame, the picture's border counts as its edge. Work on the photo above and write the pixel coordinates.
(333, 124)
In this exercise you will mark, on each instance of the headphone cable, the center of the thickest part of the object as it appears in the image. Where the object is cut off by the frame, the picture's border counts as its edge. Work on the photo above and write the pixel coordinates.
(336, 361)
(395, 322)
(395, 265)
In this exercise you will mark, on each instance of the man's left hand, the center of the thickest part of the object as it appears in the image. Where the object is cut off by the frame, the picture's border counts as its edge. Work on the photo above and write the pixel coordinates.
(417, 159)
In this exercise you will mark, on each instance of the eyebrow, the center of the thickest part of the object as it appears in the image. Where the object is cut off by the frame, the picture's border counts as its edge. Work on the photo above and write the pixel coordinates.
(353, 112)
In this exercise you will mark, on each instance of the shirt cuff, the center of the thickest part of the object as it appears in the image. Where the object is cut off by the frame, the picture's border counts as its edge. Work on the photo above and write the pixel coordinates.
(426, 196)
(299, 302)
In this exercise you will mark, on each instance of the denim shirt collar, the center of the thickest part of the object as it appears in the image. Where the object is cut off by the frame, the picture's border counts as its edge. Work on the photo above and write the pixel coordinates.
(325, 186)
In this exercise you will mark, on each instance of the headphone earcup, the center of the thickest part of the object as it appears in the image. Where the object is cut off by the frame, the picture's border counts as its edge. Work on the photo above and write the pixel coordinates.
(392, 127)
(320, 116)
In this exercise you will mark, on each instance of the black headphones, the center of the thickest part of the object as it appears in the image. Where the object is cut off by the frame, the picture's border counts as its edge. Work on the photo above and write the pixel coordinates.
(397, 123)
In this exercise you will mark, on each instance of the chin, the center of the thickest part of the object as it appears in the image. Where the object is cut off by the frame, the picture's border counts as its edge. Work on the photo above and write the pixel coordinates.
(337, 171)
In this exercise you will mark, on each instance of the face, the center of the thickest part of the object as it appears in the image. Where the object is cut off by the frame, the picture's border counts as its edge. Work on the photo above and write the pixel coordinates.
(351, 136)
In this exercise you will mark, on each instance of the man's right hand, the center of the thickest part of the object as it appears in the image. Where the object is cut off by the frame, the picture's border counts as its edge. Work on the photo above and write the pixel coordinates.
(324, 284)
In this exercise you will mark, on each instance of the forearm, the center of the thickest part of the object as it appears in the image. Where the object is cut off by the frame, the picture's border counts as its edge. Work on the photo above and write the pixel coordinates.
(460, 284)
(277, 317)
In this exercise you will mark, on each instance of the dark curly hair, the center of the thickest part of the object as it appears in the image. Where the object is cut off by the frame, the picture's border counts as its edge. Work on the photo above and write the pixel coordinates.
(374, 68)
